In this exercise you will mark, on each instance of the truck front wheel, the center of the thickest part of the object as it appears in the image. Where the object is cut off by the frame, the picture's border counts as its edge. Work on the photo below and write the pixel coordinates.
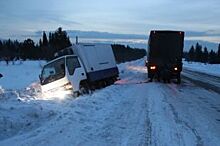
(84, 88)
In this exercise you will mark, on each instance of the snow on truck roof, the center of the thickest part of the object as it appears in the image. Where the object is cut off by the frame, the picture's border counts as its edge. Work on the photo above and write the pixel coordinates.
(91, 44)
(59, 58)
(80, 45)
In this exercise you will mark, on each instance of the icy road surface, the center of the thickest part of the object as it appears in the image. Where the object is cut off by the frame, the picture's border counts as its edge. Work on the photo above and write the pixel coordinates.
(131, 112)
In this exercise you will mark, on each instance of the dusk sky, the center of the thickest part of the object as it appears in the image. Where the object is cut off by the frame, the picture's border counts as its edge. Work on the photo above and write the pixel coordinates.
(18, 17)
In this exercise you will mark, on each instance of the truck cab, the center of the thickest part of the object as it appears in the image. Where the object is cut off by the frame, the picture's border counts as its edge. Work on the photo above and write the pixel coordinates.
(63, 72)
(80, 68)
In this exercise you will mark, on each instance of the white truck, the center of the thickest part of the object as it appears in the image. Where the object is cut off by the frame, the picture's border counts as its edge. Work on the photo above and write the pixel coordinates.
(87, 66)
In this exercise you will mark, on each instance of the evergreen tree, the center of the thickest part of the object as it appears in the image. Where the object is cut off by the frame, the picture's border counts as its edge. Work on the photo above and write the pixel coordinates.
(198, 53)
(1, 45)
(45, 41)
(219, 50)
(28, 49)
(40, 43)
(205, 55)
(1, 49)
(212, 57)
(191, 56)
(57, 41)
(16, 49)
(218, 54)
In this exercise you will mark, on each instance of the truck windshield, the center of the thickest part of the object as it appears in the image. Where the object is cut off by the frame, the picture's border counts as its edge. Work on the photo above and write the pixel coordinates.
(53, 71)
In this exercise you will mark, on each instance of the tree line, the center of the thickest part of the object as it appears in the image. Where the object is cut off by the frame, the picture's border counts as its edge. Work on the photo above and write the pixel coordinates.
(47, 46)
(126, 53)
(58, 40)
(199, 54)
(28, 49)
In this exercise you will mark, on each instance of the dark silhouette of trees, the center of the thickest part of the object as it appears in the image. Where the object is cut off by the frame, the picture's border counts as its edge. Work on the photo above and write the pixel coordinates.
(9, 50)
(40, 43)
(218, 54)
(212, 57)
(59, 40)
(198, 53)
(56, 41)
(123, 53)
(203, 55)
(191, 54)
(219, 50)
(28, 49)
(1, 45)
(45, 40)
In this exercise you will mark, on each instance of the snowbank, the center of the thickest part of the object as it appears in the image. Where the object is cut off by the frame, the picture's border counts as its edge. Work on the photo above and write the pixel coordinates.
(213, 69)
(20, 75)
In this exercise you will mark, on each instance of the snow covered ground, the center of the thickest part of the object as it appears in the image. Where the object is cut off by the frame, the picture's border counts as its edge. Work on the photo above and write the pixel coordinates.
(20, 75)
(213, 69)
(130, 112)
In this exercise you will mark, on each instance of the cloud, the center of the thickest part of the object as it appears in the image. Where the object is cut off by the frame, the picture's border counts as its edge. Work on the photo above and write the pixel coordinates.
(117, 16)
(202, 33)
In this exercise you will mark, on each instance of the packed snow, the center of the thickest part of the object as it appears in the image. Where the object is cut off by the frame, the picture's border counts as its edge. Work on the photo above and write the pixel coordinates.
(130, 112)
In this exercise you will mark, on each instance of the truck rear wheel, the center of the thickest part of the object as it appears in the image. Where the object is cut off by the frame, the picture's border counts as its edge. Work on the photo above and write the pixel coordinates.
(179, 79)
(110, 81)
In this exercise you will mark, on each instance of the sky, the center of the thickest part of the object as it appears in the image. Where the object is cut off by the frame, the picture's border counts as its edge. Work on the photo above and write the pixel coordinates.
(20, 17)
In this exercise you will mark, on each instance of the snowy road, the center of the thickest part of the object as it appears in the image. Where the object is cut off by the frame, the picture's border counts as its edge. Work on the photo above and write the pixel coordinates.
(209, 82)
(131, 112)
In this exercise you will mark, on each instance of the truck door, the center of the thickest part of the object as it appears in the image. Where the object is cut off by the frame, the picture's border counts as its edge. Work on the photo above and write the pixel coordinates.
(76, 71)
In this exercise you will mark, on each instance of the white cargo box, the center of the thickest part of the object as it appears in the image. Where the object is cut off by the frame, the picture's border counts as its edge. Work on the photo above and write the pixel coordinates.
(95, 57)
(98, 59)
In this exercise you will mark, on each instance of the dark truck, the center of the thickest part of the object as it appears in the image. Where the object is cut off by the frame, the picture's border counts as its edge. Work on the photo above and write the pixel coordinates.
(165, 50)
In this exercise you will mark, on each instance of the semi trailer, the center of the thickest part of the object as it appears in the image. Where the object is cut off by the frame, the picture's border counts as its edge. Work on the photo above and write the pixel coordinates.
(164, 56)
(80, 68)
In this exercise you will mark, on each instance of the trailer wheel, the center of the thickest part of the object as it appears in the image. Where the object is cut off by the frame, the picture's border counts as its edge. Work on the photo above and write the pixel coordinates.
(110, 81)
(178, 79)
(164, 80)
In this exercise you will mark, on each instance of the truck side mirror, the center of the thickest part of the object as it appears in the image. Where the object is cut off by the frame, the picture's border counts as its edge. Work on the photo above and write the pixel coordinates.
(1, 75)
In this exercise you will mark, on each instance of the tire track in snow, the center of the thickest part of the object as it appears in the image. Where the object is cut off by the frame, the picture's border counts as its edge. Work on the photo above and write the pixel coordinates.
(206, 81)
(178, 120)
(127, 123)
